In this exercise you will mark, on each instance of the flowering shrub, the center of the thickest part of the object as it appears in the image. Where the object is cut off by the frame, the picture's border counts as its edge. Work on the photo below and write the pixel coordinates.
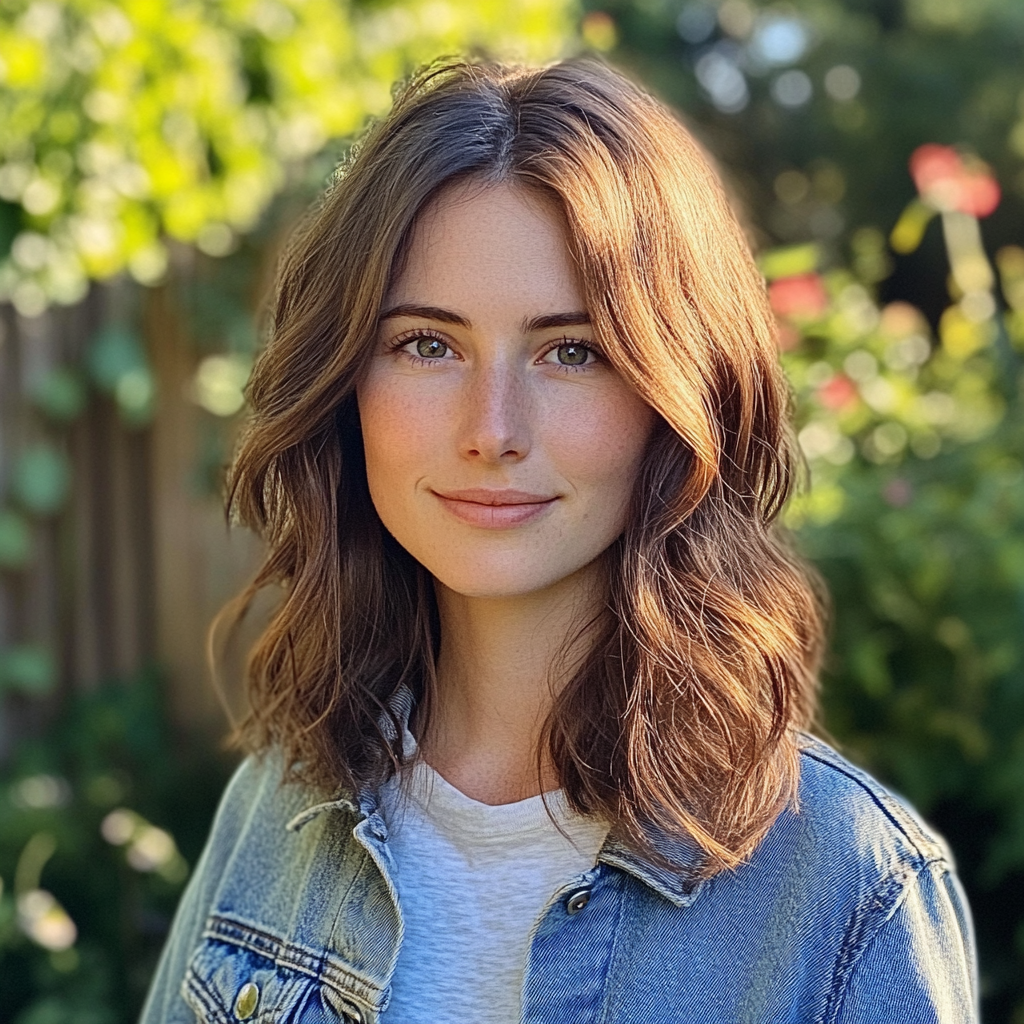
(914, 514)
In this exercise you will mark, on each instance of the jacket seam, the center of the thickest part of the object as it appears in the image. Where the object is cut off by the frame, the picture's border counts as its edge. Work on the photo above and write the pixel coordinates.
(620, 941)
(608, 994)
(351, 884)
(283, 953)
(924, 849)
(303, 960)
(197, 996)
(866, 927)
(380, 1004)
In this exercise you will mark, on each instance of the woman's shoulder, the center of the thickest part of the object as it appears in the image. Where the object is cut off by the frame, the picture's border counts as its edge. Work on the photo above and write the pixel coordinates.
(849, 909)
(263, 796)
(848, 812)
(255, 796)
(266, 862)
(877, 887)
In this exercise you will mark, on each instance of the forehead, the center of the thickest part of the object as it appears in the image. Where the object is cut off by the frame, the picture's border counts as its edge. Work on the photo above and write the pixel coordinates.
(477, 239)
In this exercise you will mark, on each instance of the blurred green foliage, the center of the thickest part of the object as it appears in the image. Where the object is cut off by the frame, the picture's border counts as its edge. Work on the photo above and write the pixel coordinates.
(814, 106)
(41, 479)
(88, 877)
(27, 669)
(915, 516)
(129, 124)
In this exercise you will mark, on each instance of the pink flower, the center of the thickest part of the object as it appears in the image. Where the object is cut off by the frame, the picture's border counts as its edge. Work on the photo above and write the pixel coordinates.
(948, 181)
(802, 297)
(787, 338)
(838, 392)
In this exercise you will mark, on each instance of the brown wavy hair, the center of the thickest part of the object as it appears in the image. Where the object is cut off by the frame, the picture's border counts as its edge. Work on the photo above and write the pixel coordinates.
(683, 713)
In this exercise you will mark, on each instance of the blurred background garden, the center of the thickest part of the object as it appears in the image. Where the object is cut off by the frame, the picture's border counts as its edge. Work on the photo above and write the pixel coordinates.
(154, 154)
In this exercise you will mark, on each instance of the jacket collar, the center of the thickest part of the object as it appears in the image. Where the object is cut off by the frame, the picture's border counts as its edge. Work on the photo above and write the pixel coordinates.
(675, 879)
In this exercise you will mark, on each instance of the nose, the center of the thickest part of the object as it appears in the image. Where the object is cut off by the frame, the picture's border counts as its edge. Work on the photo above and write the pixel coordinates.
(495, 422)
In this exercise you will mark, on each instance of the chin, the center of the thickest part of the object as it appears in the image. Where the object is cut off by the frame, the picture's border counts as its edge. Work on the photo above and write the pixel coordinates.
(488, 580)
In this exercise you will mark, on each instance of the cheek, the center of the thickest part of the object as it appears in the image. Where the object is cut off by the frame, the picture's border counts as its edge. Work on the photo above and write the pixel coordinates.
(396, 434)
(602, 442)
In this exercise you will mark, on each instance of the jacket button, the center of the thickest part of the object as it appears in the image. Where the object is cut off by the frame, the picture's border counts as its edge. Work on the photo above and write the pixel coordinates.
(246, 1000)
(577, 901)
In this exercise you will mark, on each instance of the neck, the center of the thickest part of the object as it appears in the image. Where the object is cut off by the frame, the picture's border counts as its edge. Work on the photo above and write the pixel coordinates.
(502, 662)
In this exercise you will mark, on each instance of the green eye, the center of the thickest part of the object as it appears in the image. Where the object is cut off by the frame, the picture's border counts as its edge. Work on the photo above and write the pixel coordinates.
(431, 348)
(572, 355)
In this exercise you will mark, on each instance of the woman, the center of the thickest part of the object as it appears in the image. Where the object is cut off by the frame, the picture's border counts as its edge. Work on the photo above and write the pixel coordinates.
(536, 681)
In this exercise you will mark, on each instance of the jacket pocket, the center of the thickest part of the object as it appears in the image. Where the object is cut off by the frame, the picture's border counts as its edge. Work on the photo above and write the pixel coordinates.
(243, 974)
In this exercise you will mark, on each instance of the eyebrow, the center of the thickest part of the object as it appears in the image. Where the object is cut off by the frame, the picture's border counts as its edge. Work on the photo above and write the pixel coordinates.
(446, 316)
(575, 318)
(578, 318)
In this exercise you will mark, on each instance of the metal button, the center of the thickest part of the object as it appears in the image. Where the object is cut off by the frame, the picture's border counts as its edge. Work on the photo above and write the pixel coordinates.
(246, 1000)
(577, 901)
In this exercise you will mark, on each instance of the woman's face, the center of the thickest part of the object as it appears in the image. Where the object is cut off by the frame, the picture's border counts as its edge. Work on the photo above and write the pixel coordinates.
(501, 447)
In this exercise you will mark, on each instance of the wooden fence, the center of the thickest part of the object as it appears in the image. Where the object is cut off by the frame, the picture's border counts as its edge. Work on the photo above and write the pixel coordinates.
(133, 565)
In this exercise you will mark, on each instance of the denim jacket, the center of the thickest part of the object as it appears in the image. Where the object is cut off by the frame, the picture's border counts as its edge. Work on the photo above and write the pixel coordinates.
(848, 911)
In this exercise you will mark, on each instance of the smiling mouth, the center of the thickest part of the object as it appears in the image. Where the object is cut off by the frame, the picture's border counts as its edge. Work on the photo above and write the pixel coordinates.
(495, 509)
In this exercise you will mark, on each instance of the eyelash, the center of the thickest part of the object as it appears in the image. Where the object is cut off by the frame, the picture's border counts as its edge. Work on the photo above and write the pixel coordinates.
(407, 337)
(592, 349)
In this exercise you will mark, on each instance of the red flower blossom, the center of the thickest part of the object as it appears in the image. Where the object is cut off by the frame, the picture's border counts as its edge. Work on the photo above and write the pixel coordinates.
(802, 297)
(948, 181)
(787, 337)
(837, 392)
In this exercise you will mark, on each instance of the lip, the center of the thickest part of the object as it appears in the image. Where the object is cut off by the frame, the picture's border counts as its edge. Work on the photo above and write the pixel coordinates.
(495, 509)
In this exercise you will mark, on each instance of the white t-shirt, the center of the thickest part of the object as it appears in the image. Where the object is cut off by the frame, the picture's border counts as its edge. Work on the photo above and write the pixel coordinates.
(473, 880)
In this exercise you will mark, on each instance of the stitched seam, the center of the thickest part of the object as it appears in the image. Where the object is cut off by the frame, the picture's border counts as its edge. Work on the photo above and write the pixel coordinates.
(902, 823)
(857, 941)
(352, 881)
(271, 949)
(286, 954)
(196, 994)
(347, 996)
(614, 860)
(608, 1002)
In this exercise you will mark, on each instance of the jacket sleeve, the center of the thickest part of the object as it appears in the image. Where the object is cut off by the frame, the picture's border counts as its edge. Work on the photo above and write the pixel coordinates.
(164, 1003)
(920, 965)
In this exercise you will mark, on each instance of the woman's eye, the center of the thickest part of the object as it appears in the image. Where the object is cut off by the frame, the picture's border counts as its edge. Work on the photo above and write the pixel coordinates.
(431, 348)
(571, 353)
